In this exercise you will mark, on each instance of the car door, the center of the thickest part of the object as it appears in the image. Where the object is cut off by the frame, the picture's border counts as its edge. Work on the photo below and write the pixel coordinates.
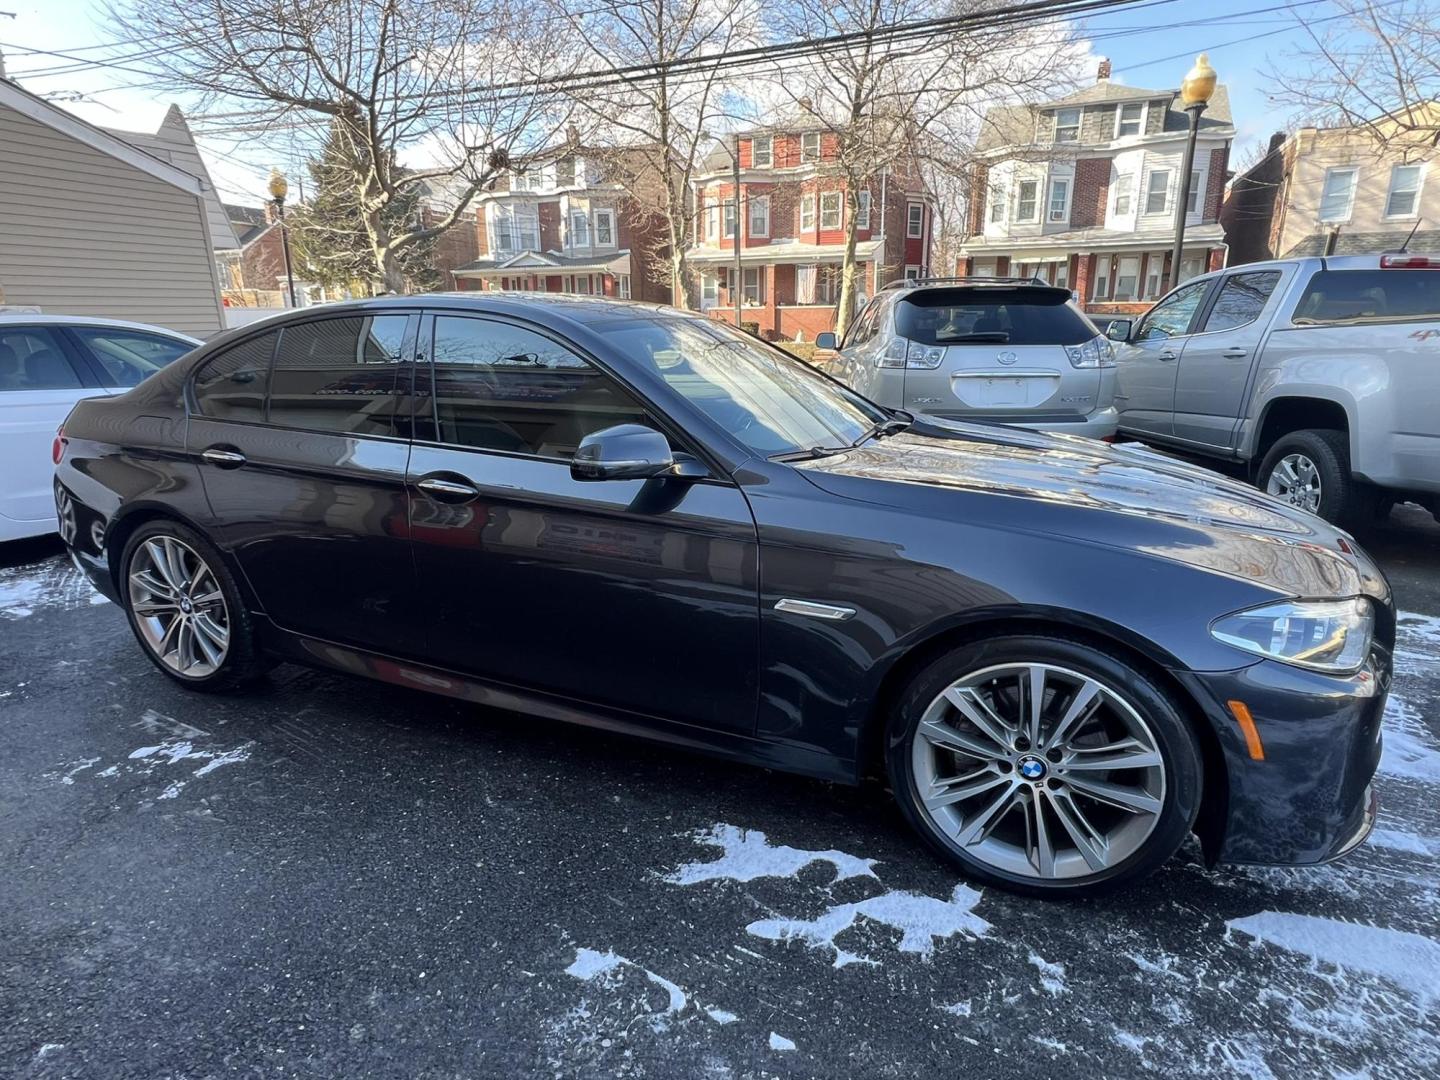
(303, 460)
(40, 382)
(632, 595)
(1148, 361)
(1215, 367)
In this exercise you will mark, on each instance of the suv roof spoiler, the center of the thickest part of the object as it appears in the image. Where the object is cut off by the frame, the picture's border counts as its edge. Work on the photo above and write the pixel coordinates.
(973, 279)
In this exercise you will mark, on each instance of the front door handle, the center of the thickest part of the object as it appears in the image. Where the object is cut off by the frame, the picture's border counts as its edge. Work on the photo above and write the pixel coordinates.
(1166, 354)
(222, 458)
(1235, 354)
(447, 491)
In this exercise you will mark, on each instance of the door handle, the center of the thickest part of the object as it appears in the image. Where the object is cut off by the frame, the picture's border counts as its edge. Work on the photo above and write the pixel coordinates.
(1235, 354)
(1166, 354)
(447, 491)
(222, 458)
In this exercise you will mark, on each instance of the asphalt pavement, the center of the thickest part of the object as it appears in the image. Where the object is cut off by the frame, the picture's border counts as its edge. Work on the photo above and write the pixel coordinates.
(330, 877)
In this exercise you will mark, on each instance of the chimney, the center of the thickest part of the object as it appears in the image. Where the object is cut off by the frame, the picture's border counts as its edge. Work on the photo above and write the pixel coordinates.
(1276, 141)
(1103, 75)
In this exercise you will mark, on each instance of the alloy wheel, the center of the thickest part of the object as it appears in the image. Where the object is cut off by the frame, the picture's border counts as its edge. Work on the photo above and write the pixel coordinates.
(1039, 771)
(1296, 480)
(179, 607)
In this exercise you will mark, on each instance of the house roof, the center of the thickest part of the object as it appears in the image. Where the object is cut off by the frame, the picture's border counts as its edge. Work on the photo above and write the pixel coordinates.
(247, 222)
(106, 142)
(1015, 125)
(546, 260)
(1424, 242)
(173, 142)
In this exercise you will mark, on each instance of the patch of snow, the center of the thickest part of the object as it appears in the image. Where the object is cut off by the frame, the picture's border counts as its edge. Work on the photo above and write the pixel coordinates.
(1408, 960)
(46, 1050)
(921, 920)
(1417, 643)
(779, 1042)
(228, 757)
(51, 584)
(1406, 752)
(173, 790)
(1240, 1059)
(1129, 1040)
(746, 855)
(720, 1016)
(1050, 1044)
(1404, 841)
(959, 1008)
(591, 965)
(78, 767)
(1052, 976)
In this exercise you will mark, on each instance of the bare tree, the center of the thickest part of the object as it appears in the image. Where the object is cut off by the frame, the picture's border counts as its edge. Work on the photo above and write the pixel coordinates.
(654, 116)
(385, 79)
(910, 105)
(1371, 64)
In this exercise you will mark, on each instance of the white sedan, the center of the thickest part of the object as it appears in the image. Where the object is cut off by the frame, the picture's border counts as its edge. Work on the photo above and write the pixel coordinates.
(47, 364)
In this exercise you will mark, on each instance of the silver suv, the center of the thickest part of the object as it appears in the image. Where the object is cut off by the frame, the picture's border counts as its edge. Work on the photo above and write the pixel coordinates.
(1009, 350)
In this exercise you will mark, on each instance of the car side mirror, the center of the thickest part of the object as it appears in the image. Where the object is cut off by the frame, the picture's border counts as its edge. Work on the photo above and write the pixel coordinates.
(1119, 330)
(826, 340)
(622, 452)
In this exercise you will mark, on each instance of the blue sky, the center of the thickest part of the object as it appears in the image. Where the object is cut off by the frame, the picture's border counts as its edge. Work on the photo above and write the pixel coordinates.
(1151, 44)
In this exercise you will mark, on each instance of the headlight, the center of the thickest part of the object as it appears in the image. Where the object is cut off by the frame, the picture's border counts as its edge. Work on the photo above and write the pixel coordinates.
(1323, 635)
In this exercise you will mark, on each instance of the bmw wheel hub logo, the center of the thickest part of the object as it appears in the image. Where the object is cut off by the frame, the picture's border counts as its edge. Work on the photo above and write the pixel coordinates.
(1032, 768)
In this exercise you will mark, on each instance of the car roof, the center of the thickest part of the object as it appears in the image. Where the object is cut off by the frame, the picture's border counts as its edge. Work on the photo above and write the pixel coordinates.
(16, 318)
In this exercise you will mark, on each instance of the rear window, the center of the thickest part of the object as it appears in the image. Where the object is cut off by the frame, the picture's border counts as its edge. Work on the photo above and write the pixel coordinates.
(1020, 316)
(1336, 296)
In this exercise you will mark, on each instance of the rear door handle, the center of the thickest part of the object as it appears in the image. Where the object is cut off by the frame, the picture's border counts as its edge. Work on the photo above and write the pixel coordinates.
(222, 458)
(1235, 354)
(1166, 354)
(447, 491)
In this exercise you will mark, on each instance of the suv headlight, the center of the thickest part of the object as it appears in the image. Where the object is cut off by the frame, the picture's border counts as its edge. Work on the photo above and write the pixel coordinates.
(1098, 352)
(1323, 635)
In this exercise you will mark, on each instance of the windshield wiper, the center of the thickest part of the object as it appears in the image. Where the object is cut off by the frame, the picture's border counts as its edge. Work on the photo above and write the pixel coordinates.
(810, 452)
(890, 426)
(1000, 337)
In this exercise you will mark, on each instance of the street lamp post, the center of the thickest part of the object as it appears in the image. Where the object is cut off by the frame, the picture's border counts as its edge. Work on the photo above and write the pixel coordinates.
(1195, 94)
(278, 189)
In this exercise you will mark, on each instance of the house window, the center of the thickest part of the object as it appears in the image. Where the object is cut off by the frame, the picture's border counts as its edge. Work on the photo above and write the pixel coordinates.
(604, 228)
(579, 229)
(514, 228)
(582, 284)
(565, 172)
(1059, 210)
(810, 147)
(622, 286)
(912, 273)
(827, 283)
(709, 291)
(1062, 274)
(915, 220)
(830, 210)
(1027, 201)
(1130, 119)
(1124, 192)
(862, 211)
(727, 211)
(1337, 198)
(1157, 191)
(1404, 197)
(1197, 191)
(807, 213)
(997, 205)
(1127, 277)
(753, 284)
(520, 181)
(762, 151)
(1067, 125)
(1101, 288)
(760, 216)
(1154, 278)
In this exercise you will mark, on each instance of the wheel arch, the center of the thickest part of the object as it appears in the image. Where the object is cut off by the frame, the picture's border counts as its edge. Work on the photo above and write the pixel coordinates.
(132, 516)
(1116, 640)
(1299, 411)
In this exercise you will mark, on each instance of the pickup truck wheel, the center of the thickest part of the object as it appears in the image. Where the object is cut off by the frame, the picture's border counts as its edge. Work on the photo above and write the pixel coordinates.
(1311, 470)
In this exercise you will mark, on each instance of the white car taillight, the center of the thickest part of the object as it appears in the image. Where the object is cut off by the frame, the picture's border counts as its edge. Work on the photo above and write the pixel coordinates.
(1095, 353)
(901, 353)
(894, 354)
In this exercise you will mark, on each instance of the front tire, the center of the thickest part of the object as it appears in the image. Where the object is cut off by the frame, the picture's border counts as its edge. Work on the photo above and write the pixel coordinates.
(1044, 766)
(186, 609)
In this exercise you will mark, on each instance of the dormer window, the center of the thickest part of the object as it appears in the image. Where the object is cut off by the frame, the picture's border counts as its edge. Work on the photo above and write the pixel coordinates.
(565, 172)
(810, 147)
(1067, 125)
(1130, 119)
(762, 153)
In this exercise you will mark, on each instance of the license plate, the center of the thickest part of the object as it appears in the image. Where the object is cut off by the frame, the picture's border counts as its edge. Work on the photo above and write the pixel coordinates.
(1003, 392)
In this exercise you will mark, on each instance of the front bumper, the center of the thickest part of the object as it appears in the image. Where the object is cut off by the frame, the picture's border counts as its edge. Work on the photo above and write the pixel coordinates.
(1311, 798)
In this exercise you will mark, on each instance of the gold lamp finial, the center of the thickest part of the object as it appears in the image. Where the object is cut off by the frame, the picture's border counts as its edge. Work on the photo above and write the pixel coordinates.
(1199, 84)
(278, 185)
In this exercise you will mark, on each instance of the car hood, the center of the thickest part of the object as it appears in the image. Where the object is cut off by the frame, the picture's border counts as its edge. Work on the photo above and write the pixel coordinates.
(1121, 496)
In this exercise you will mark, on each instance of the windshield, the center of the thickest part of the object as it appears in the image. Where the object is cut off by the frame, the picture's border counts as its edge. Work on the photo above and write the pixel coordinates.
(771, 402)
(1025, 315)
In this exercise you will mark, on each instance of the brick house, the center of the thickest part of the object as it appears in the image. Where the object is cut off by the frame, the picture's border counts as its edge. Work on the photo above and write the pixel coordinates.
(1352, 190)
(792, 230)
(567, 224)
(1081, 192)
(252, 272)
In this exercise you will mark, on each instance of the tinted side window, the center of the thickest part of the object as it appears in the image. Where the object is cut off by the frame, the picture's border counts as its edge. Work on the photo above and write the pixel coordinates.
(128, 356)
(338, 374)
(232, 386)
(1242, 298)
(32, 359)
(1372, 295)
(501, 387)
(1172, 315)
(979, 316)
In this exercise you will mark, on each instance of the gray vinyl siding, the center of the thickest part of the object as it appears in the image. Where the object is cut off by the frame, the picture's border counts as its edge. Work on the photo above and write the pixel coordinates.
(83, 233)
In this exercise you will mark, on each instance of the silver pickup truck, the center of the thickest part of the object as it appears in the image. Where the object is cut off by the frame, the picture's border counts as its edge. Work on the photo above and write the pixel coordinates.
(1321, 374)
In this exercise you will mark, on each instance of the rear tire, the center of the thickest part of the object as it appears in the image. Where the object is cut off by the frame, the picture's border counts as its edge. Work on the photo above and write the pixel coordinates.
(186, 609)
(1042, 815)
(1310, 469)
